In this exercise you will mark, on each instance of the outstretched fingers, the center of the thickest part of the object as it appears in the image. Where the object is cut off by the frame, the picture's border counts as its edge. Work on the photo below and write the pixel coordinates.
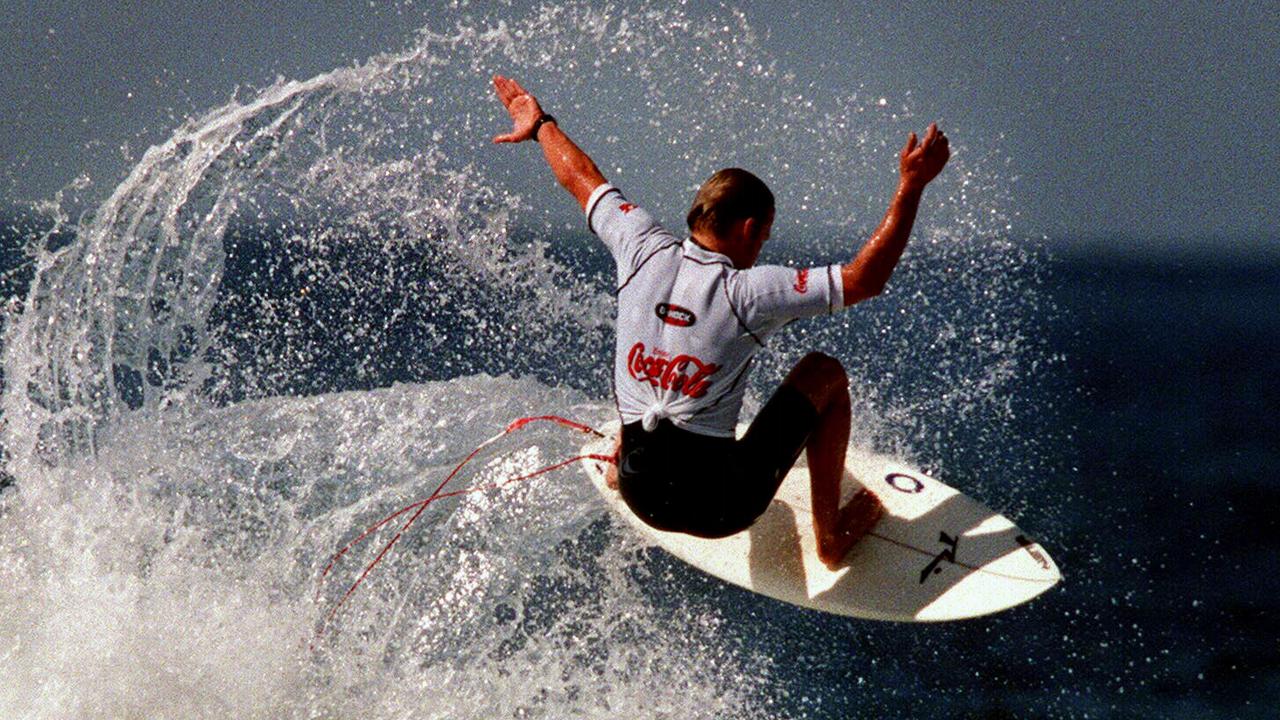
(939, 148)
(507, 89)
(933, 143)
(502, 86)
(911, 145)
(516, 89)
(924, 158)
(930, 135)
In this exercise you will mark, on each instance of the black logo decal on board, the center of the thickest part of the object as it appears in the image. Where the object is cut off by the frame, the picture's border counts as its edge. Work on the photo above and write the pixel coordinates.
(904, 483)
(675, 315)
(1029, 546)
(948, 554)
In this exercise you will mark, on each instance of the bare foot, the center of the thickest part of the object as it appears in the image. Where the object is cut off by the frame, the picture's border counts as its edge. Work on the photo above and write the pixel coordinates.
(611, 473)
(856, 520)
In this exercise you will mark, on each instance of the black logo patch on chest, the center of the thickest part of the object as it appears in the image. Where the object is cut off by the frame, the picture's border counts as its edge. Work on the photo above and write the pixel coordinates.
(675, 315)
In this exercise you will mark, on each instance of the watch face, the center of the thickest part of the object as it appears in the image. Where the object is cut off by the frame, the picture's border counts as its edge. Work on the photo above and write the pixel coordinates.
(543, 120)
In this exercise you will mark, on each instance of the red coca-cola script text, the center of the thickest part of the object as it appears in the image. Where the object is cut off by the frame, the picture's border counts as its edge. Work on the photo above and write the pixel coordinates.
(671, 373)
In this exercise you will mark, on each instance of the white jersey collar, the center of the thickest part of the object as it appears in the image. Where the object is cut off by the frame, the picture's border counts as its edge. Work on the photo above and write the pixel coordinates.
(696, 251)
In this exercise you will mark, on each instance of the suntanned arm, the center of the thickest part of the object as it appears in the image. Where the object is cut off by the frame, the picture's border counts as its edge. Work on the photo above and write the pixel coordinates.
(573, 168)
(867, 275)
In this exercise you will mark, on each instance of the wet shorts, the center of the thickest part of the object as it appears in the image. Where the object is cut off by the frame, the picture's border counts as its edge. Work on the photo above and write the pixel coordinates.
(681, 481)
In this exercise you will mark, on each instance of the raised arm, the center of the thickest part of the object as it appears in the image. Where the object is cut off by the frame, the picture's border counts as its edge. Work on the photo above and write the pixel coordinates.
(867, 275)
(573, 168)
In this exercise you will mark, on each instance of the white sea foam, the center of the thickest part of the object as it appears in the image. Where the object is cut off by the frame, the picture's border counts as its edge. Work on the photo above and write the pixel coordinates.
(174, 573)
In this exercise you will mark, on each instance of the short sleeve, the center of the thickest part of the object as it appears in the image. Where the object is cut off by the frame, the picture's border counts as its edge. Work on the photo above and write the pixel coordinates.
(771, 295)
(625, 228)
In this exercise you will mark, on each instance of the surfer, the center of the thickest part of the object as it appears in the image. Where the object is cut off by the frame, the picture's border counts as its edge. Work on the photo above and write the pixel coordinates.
(693, 312)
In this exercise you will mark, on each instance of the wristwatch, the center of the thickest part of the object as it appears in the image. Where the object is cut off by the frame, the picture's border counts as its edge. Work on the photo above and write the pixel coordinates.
(537, 124)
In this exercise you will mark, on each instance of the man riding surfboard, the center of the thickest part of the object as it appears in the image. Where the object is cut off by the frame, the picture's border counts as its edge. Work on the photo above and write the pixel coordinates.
(693, 312)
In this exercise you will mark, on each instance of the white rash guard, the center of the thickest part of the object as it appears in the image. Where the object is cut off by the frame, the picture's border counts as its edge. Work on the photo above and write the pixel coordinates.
(689, 322)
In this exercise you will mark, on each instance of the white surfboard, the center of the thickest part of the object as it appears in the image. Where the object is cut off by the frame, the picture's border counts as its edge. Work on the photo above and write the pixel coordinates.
(935, 555)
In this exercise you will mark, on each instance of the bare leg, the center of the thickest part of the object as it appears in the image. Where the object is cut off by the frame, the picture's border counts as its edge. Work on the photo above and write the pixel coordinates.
(611, 473)
(822, 379)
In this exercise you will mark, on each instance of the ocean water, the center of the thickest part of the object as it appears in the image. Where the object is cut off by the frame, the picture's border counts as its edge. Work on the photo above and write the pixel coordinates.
(302, 311)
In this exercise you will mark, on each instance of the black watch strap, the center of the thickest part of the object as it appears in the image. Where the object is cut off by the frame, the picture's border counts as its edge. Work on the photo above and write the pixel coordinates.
(543, 120)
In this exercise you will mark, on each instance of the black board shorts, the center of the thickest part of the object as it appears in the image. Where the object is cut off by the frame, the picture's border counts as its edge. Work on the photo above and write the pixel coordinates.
(680, 481)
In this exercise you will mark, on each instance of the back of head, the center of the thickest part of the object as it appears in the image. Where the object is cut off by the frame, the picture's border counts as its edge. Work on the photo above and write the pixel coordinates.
(731, 195)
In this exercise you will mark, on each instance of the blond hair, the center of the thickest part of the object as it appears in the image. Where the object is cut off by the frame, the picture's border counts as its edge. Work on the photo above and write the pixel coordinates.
(731, 195)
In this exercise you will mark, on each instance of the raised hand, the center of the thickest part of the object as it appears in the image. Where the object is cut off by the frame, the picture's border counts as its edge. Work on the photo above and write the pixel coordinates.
(524, 109)
(921, 163)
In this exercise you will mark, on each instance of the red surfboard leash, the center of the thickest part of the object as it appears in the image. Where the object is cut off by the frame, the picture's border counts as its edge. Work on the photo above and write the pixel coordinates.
(421, 505)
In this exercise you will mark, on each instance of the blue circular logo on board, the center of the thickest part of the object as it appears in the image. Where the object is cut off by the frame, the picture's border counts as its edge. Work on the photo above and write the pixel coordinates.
(904, 483)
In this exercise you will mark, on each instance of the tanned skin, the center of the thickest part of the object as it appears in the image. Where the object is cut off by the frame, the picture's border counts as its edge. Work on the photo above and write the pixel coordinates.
(820, 378)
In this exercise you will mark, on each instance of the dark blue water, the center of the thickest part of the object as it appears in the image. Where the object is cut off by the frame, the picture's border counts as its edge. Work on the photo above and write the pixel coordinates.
(1162, 511)
(1172, 548)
